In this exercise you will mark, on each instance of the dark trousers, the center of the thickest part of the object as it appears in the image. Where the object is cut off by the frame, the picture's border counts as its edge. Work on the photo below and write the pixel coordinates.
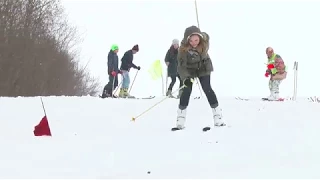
(173, 81)
(206, 87)
(109, 87)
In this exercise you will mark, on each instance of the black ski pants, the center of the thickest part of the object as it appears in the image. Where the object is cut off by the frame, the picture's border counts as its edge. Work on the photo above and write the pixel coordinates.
(108, 88)
(173, 81)
(206, 87)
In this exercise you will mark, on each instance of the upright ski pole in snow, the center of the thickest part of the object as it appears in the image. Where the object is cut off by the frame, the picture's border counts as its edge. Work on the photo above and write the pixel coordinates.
(295, 82)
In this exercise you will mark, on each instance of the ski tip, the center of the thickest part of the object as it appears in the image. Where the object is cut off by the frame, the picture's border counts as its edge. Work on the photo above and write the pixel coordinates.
(205, 129)
(267, 99)
(175, 129)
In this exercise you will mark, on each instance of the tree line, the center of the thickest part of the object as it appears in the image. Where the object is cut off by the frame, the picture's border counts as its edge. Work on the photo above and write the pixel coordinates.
(38, 55)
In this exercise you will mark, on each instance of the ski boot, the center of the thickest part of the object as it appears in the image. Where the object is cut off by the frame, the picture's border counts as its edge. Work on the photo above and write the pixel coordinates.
(217, 117)
(181, 119)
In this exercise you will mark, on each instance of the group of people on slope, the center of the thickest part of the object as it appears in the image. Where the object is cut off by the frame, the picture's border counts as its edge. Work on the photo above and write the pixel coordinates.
(113, 71)
(191, 60)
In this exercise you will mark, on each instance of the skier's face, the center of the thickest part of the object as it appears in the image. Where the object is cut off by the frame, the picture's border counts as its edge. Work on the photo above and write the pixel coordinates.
(194, 40)
(116, 51)
(269, 52)
(176, 46)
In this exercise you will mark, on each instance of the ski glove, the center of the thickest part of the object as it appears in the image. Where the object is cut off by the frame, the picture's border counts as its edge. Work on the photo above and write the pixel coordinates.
(268, 72)
(138, 68)
(188, 82)
(270, 66)
(113, 73)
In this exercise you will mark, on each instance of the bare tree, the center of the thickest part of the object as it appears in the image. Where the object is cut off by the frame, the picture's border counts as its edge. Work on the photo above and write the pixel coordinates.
(36, 57)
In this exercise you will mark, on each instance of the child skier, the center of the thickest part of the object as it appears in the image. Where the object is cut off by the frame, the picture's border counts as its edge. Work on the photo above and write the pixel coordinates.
(194, 62)
(277, 71)
(126, 64)
(113, 71)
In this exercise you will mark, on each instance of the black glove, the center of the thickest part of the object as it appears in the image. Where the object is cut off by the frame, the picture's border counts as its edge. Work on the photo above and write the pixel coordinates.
(188, 82)
(138, 68)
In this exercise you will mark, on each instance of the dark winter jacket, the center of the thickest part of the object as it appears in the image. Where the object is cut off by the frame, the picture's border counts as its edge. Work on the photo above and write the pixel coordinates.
(113, 62)
(194, 62)
(126, 61)
(171, 57)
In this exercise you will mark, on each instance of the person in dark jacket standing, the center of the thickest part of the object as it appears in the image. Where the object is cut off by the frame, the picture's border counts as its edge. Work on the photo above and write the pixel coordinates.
(172, 63)
(194, 62)
(113, 71)
(126, 65)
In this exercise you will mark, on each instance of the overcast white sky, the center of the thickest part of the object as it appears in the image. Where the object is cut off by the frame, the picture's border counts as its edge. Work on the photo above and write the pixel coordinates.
(240, 31)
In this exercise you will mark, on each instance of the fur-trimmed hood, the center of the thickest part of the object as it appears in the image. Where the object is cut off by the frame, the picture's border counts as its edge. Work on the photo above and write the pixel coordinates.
(195, 30)
(194, 62)
(190, 31)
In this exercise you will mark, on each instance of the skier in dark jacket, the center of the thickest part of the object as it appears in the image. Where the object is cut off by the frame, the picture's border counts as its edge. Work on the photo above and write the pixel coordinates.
(113, 72)
(194, 62)
(172, 63)
(126, 65)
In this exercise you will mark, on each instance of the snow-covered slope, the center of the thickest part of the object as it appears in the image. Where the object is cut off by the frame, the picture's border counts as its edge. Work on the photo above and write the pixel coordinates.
(95, 138)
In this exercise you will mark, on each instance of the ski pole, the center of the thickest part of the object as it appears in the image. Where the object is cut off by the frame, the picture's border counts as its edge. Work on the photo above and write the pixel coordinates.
(166, 82)
(162, 85)
(294, 80)
(114, 78)
(296, 77)
(199, 88)
(133, 80)
(114, 92)
(134, 118)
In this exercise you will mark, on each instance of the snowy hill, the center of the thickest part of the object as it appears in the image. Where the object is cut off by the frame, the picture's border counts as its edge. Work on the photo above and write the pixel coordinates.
(95, 138)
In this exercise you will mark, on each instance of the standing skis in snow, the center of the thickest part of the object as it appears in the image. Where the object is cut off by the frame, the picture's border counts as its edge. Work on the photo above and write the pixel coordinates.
(126, 64)
(172, 63)
(194, 62)
(277, 69)
(113, 71)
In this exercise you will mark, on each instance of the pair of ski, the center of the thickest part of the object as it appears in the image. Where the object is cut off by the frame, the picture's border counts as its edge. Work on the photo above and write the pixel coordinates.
(150, 97)
(267, 99)
(132, 97)
(263, 99)
(205, 129)
(197, 97)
